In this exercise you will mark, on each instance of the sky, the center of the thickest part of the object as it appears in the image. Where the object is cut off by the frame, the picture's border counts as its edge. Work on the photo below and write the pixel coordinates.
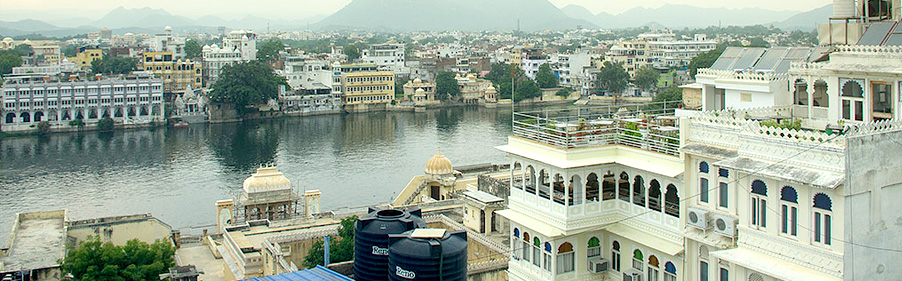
(94, 9)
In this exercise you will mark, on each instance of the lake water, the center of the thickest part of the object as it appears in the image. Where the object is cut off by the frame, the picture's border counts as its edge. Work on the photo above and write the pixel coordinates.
(178, 174)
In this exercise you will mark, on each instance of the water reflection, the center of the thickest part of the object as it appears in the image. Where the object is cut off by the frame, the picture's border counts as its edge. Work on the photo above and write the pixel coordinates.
(245, 146)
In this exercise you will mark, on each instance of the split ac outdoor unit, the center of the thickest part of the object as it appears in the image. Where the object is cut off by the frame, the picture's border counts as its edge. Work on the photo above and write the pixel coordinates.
(632, 275)
(597, 265)
(698, 218)
(725, 225)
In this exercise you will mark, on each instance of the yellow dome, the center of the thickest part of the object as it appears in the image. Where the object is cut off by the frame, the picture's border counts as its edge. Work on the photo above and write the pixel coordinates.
(439, 165)
(417, 81)
(266, 178)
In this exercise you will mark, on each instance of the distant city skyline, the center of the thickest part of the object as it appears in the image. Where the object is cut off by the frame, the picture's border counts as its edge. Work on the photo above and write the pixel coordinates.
(17, 10)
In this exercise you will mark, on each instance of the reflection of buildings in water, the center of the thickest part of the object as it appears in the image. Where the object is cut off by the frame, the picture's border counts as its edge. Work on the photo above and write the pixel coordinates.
(245, 145)
(368, 129)
(69, 151)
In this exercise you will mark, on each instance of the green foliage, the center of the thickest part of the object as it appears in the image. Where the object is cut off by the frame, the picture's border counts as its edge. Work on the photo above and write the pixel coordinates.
(499, 73)
(446, 85)
(646, 78)
(671, 93)
(613, 78)
(114, 65)
(70, 51)
(24, 50)
(269, 51)
(341, 248)
(8, 60)
(565, 93)
(795, 124)
(135, 260)
(545, 77)
(528, 89)
(76, 123)
(43, 127)
(105, 124)
(399, 87)
(193, 49)
(704, 60)
(352, 51)
(246, 84)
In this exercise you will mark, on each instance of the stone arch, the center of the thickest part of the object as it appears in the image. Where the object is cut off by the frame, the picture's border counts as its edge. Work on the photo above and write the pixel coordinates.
(66, 115)
(10, 118)
(155, 111)
(131, 111)
(25, 117)
(609, 186)
(672, 201)
(639, 191)
(79, 115)
(105, 113)
(544, 189)
(143, 111)
(819, 98)
(852, 89)
(38, 116)
(530, 180)
(515, 168)
(654, 195)
(92, 113)
(800, 92)
(558, 188)
(575, 190)
(623, 187)
(592, 187)
(118, 112)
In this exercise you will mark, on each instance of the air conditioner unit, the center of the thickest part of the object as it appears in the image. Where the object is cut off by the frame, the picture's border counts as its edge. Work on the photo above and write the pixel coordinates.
(597, 265)
(725, 225)
(632, 274)
(698, 218)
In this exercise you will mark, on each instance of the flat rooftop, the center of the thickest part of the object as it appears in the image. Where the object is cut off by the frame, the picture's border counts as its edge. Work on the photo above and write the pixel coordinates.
(38, 241)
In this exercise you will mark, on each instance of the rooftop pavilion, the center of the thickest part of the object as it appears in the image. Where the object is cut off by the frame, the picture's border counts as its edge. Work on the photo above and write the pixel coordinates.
(649, 126)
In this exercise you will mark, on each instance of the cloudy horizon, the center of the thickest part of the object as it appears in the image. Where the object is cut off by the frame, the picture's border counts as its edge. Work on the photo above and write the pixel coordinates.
(65, 9)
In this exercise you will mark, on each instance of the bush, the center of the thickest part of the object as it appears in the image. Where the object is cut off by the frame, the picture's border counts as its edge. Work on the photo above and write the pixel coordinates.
(135, 260)
(106, 124)
(43, 127)
(341, 248)
(76, 123)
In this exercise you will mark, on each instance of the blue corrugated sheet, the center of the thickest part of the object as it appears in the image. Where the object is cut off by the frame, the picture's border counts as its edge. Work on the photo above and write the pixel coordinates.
(317, 273)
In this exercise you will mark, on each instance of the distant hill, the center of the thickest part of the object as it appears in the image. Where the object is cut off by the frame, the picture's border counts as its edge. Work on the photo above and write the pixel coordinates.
(807, 21)
(680, 16)
(143, 17)
(578, 12)
(469, 15)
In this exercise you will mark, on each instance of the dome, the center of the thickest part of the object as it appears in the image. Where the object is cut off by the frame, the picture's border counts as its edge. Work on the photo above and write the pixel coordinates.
(266, 179)
(419, 92)
(491, 90)
(417, 81)
(167, 28)
(439, 165)
(206, 48)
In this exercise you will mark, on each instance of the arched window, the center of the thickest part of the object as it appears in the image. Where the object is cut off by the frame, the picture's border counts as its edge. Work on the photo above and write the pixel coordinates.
(527, 248)
(575, 191)
(759, 204)
(653, 268)
(593, 247)
(703, 167)
(789, 210)
(615, 256)
(547, 257)
(823, 215)
(565, 258)
(670, 273)
(544, 184)
(536, 251)
(624, 187)
(819, 98)
(800, 93)
(515, 251)
(516, 168)
(638, 259)
(517, 233)
(852, 101)
(703, 270)
(703, 182)
(558, 194)
(530, 179)
(592, 188)
(654, 195)
(639, 191)
(672, 201)
(608, 187)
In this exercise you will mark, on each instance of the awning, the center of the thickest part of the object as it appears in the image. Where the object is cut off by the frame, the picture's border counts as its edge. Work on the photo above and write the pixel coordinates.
(541, 227)
(646, 239)
(709, 151)
(819, 179)
(773, 267)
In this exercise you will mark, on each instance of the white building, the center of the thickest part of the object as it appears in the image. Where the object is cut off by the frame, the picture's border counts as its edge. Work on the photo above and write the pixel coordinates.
(166, 42)
(237, 46)
(303, 72)
(135, 99)
(667, 51)
(569, 67)
(389, 56)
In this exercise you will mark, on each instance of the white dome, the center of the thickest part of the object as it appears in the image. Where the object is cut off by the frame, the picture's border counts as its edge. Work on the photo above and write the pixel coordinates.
(167, 28)
(439, 165)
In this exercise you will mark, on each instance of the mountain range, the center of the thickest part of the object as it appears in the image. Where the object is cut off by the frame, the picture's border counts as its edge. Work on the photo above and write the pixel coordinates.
(435, 15)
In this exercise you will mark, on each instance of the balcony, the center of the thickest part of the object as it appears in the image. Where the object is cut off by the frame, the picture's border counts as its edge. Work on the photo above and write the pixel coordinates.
(649, 126)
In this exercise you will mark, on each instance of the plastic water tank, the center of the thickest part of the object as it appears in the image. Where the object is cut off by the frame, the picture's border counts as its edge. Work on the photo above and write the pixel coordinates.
(428, 254)
(371, 240)
(843, 9)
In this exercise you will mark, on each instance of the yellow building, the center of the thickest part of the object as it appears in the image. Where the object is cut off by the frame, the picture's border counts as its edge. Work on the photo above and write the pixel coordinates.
(84, 59)
(177, 75)
(368, 88)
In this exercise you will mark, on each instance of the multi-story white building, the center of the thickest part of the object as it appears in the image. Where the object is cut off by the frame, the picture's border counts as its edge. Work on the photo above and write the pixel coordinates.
(569, 67)
(133, 99)
(237, 46)
(667, 51)
(303, 72)
(166, 42)
(389, 56)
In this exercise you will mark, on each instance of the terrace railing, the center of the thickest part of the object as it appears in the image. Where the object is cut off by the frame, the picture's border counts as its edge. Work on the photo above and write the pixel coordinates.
(649, 126)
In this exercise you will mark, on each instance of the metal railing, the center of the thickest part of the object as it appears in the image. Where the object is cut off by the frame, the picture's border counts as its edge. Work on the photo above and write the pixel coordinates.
(649, 126)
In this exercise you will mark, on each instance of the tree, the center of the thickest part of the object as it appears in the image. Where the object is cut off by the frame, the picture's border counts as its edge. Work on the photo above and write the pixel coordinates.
(399, 87)
(565, 93)
(613, 78)
(269, 51)
(545, 77)
(246, 84)
(135, 260)
(704, 60)
(646, 78)
(341, 248)
(499, 73)
(114, 65)
(193, 49)
(528, 89)
(43, 128)
(70, 51)
(446, 85)
(105, 124)
(352, 52)
(670, 94)
(24, 50)
(8, 60)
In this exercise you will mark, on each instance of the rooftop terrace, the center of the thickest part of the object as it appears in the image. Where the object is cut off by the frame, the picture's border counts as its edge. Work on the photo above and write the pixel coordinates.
(650, 126)
(37, 241)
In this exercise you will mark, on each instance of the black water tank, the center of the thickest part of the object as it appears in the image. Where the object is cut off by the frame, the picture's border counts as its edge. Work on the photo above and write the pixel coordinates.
(428, 254)
(371, 240)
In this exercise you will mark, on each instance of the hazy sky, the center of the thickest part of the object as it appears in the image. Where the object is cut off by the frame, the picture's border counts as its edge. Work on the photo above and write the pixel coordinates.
(93, 9)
